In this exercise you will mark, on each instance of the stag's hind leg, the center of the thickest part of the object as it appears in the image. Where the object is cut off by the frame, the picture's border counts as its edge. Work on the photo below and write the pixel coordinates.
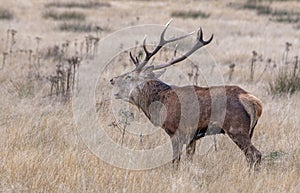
(243, 141)
(177, 145)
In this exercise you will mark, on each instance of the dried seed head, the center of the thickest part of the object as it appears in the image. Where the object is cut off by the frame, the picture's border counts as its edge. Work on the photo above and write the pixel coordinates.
(231, 66)
(13, 32)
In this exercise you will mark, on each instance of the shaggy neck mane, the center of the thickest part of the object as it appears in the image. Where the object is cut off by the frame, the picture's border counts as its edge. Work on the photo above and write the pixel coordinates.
(149, 92)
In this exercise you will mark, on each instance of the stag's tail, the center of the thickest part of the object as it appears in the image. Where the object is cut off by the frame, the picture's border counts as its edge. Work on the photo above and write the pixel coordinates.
(253, 106)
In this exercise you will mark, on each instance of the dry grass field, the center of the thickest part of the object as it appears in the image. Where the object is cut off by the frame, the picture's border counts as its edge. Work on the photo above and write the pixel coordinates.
(40, 147)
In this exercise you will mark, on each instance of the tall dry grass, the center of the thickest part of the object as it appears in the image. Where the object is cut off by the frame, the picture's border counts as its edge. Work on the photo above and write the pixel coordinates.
(41, 151)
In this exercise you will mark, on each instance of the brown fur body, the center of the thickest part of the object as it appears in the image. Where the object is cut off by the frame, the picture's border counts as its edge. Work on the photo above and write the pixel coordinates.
(242, 111)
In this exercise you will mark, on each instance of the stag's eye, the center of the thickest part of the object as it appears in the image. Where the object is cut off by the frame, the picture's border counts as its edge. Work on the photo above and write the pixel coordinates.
(128, 77)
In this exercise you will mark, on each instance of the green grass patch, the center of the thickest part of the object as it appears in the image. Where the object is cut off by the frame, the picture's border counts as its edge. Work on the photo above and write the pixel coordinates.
(283, 16)
(284, 83)
(190, 14)
(25, 89)
(81, 27)
(84, 5)
(76, 27)
(274, 157)
(68, 15)
(6, 14)
(286, 17)
(260, 9)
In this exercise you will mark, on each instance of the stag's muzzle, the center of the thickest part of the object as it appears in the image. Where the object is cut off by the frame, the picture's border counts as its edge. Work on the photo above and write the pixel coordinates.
(112, 82)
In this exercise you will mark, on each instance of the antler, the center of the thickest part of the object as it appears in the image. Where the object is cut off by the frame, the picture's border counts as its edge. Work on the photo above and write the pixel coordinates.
(199, 43)
(162, 42)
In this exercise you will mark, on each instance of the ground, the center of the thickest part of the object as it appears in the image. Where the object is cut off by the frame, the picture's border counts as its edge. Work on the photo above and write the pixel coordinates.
(40, 146)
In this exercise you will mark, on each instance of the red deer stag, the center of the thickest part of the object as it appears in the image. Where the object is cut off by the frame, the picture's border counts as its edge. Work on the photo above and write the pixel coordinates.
(141, 87)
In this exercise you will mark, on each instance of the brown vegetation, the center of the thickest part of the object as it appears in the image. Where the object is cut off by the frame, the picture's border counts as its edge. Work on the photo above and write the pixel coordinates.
(41, 151)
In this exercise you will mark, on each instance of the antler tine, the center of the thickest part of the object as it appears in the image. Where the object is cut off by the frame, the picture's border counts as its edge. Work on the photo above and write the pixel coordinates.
(137, 60)
(162, 35)
(145, 48)
(200, 34)
(161, 43)
(175, 50)
(133, 59)
(199, 43)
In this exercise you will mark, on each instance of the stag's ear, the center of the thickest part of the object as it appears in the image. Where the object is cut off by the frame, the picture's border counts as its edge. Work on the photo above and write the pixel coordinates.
(150, 72)
(158, 73)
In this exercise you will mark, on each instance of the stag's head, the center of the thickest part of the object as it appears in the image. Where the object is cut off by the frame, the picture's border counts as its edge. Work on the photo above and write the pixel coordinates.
(128, 83)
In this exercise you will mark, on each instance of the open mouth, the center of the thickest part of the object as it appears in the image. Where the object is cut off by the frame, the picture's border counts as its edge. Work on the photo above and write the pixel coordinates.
(116, 92)
(117, 95)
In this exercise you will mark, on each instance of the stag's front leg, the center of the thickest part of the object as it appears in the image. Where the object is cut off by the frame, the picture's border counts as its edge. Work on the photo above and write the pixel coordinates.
(190, 150)
(177, 145)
